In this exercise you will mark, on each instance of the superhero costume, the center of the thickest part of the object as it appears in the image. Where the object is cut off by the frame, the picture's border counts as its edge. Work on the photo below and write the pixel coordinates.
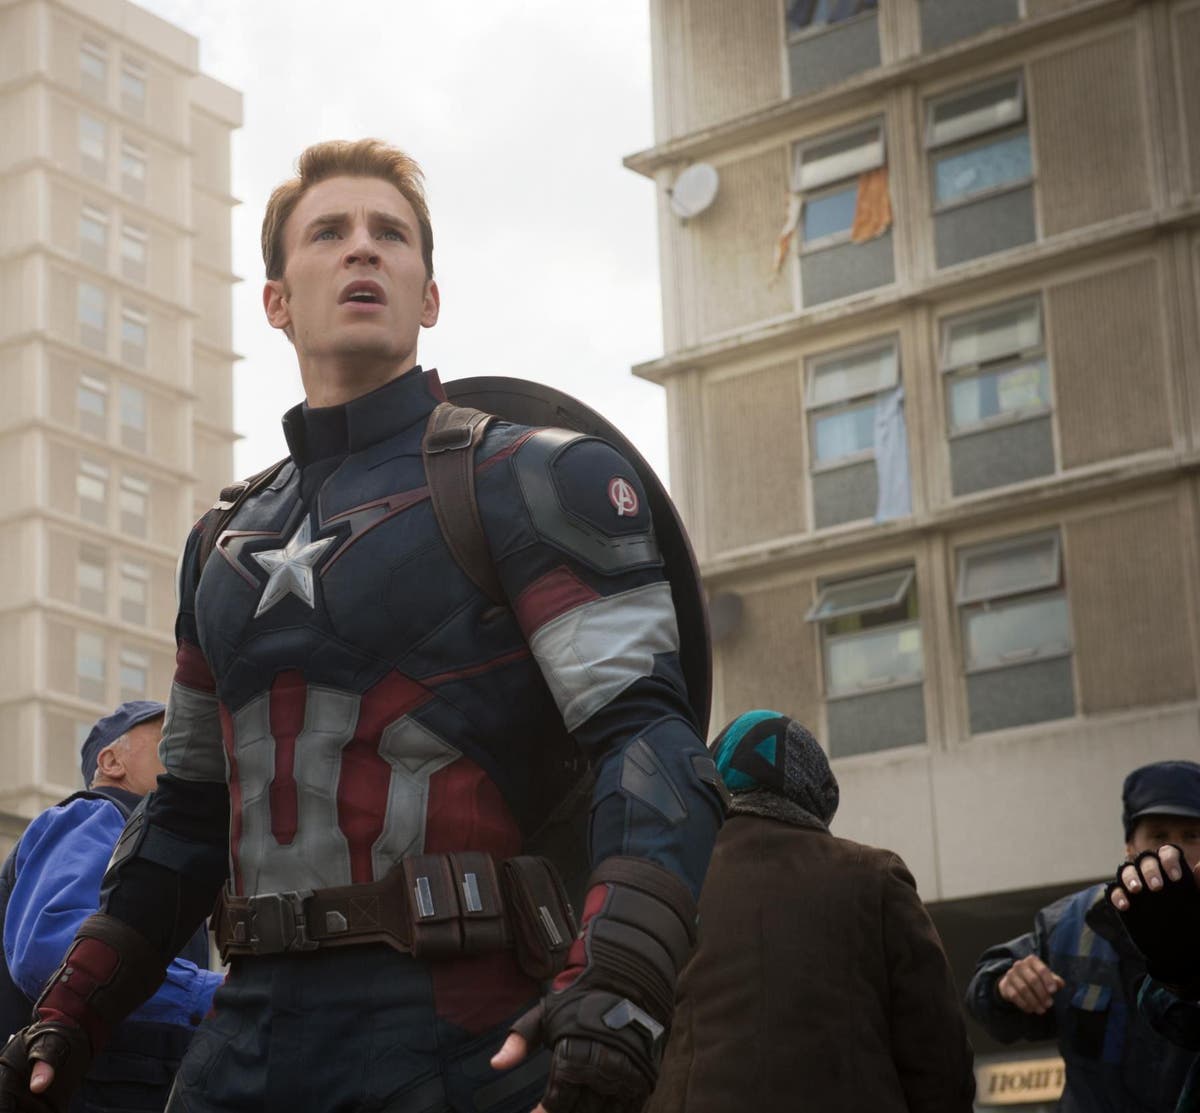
(345, 697)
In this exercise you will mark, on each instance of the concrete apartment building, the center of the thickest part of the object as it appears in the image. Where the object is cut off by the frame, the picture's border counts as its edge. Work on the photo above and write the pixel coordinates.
(115, 365)
(989, 303)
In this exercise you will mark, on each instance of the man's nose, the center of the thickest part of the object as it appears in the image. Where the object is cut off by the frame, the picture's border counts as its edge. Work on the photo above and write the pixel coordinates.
(360, 248)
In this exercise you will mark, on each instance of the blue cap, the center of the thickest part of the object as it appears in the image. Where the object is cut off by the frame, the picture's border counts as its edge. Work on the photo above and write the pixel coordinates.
(111, 727)
(1164, 788)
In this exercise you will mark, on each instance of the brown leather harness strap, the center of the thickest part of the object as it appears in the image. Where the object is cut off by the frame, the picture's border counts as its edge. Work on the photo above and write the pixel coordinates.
(226, 506)
(448, 448)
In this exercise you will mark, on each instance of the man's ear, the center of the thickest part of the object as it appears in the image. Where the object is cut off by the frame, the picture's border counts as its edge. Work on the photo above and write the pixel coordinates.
(110, 764)
(432, 305)
(275, 304)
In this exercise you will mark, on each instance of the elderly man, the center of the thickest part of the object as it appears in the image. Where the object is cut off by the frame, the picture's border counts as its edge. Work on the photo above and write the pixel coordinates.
(51, 883)
(1075, 978)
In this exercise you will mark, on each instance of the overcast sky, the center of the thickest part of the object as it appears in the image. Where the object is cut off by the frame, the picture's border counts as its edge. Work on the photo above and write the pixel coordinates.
(520, 112)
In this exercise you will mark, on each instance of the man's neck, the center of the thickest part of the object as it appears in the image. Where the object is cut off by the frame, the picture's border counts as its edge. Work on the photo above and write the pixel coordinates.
(334, 382)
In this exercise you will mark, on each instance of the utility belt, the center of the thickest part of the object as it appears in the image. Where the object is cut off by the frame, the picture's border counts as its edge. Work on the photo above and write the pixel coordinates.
(432, 906)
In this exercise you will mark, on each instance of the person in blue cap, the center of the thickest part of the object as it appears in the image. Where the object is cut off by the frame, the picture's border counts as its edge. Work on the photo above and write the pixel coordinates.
(51, 882)
(1077, 976)
(818, 981)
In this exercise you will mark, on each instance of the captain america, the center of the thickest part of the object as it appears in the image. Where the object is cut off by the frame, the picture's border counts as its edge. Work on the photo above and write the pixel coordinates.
(362, 742)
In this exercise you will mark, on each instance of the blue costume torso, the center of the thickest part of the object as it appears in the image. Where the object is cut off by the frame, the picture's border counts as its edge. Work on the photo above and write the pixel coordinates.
(345, 696)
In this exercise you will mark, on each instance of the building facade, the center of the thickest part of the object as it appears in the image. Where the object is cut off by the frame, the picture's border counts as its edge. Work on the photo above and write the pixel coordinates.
(933, 378)
(116, 365)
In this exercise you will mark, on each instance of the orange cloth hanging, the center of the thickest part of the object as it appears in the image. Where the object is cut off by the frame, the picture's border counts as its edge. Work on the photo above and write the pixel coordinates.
(873, 208)
(783, 245)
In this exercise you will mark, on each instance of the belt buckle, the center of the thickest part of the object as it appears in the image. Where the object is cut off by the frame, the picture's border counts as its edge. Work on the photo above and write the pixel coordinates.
(277, 923)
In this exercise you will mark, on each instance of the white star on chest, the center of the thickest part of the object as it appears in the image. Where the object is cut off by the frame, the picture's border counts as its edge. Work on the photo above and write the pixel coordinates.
(291, 568)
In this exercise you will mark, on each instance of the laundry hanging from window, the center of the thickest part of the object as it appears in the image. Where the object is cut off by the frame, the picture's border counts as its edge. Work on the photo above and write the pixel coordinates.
(873, 208)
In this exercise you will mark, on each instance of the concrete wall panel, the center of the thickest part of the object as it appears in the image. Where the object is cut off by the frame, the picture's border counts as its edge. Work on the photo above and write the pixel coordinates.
(734, 243)
(771, 660)
(734, 59)
(1126, 581)
(754, 462)
(1044, 809)
(1187, 48)
(1089, 133)
(1108, 364)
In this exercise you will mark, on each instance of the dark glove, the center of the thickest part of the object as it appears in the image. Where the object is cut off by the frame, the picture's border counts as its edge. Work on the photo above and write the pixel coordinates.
(62, 1046)
(607, 1015)
(109, 971)
(1165, 924)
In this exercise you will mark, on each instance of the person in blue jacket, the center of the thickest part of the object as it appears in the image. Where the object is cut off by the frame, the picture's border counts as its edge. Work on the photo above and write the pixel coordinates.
(51, 883)
(1077, 976)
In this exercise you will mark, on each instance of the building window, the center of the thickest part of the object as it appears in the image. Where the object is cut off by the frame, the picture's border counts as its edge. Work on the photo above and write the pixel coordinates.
(92, 309)
(132, 410)
(845, 213)
(134, 592)
(133, 87)
(91, 486)
(134, 674)
(1016, 632)
(89, 666)
(981, 168)
(91, 578)
(844, 392)
(93, 236)
(133, 253)
(874, 666)
(829, 40)
(997, 381)
(93, 69)
(91, 405)
(133, 170)
(134, 498)
(133, 336)
(93, 146)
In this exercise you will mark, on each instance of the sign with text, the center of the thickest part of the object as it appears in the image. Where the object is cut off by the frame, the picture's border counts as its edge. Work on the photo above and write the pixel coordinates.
(1020, 1082)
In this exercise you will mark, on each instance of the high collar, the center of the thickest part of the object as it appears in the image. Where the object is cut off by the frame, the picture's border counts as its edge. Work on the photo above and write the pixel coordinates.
(316, 433)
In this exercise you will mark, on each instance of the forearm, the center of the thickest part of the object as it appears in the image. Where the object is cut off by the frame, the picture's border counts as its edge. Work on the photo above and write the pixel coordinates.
(170, 863)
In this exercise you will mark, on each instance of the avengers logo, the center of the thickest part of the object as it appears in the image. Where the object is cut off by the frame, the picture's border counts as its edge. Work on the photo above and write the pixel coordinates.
(623, 497)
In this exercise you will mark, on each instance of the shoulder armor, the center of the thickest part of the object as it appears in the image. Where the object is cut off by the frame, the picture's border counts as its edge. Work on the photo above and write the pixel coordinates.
(584, 497)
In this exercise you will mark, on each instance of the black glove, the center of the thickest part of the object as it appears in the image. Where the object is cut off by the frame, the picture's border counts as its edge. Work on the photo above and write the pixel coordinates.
(63, 1046)
(1165, 924)
(607, 1017)
(109, 970)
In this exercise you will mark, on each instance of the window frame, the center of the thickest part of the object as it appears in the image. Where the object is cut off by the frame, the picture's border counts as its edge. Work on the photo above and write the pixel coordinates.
(832, 185)
(90, 382)
(936, 149)
(852, 401)
(134, 154)
(91, 468)
(1012, 361)
(131, 571)
(92, 556)
(85, 120)
(136, 69)
(91, 214)
(138, 659)
(907, 574)
(976, 603)
(129, 390)
(136, 486)
(82, 678)
(98, 52)
(811, 32)
(136, 316)
(134, 233)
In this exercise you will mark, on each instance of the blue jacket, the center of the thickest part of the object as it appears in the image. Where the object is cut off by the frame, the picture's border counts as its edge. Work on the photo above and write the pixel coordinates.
(52, 883)
(1115, 1061)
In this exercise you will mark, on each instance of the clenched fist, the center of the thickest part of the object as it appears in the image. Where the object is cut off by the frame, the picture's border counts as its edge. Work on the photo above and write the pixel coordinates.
(1030, 985)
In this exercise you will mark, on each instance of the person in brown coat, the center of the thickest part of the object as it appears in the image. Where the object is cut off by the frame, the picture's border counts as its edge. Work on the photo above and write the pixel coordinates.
(818, 982)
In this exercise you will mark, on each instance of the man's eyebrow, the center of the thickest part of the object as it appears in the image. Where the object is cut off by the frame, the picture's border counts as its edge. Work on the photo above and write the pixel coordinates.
(324, 219)
(390, 218)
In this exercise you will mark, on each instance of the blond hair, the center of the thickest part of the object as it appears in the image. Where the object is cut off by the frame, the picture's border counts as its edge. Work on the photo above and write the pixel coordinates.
(360, 158)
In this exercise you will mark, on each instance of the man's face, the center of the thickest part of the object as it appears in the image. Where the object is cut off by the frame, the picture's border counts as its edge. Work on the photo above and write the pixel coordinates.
(1154, 831)
(354, 282)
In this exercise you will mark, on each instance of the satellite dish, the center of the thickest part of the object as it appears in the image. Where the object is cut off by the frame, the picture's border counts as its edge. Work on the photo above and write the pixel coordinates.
(694, 190)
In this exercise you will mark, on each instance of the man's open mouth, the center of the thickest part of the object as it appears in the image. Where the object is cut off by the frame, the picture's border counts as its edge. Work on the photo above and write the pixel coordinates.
(363, 293)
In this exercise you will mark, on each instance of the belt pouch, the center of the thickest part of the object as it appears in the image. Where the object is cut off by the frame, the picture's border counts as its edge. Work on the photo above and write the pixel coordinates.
(433, 906)
(482, 904)
(542, 918)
